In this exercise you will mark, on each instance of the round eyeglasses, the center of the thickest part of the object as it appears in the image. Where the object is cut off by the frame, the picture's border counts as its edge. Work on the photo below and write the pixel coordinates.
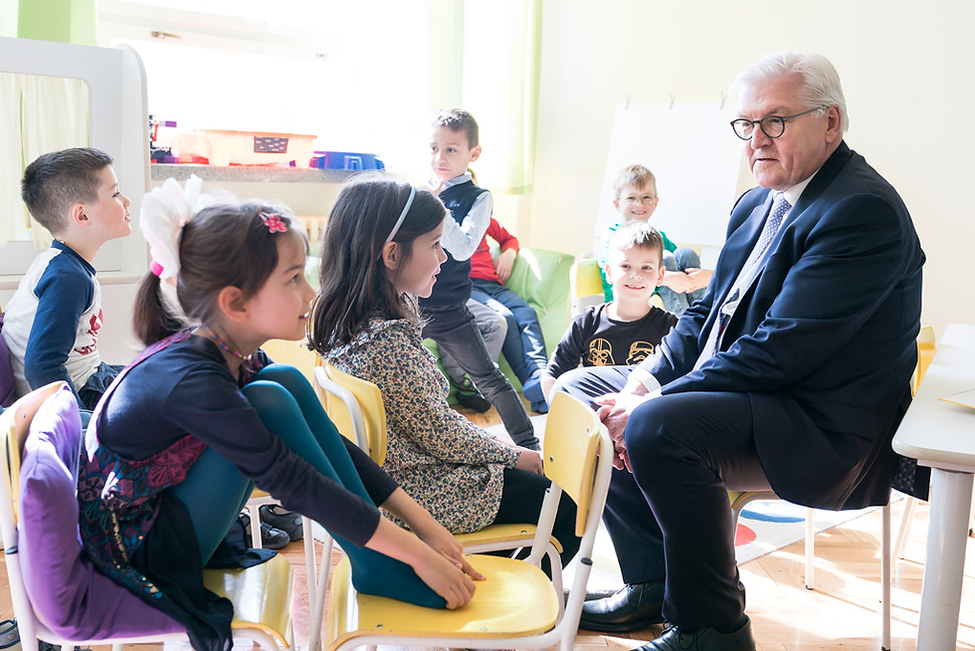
(772, 126)
(632, 200)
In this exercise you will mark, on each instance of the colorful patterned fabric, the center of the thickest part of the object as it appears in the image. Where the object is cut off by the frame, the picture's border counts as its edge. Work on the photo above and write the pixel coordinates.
(120, 498)
(442, 460)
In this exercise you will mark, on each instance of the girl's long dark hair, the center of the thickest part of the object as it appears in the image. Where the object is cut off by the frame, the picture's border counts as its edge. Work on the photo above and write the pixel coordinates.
(353, 283)
(222, 246)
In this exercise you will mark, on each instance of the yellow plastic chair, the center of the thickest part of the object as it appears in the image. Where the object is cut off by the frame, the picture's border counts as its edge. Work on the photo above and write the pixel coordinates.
(261, 595)
(356, 408)
(361, 417)
(585, 285)
(925, 352)
(517, 606)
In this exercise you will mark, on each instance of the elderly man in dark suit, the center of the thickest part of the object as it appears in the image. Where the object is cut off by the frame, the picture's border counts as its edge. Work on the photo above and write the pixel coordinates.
(791, 373)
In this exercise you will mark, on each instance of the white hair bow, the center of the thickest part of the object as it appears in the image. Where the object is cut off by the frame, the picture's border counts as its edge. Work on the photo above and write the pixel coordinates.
(165, 210)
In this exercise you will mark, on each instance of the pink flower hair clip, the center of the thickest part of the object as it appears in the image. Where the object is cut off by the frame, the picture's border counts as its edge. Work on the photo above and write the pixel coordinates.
(274, 223)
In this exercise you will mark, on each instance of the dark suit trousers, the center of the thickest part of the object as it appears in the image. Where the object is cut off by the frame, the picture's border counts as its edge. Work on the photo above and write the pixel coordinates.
(671, 518)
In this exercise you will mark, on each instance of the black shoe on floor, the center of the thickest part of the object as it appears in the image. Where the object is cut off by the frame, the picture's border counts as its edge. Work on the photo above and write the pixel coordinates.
(634, 606)
(706, 639)
(470, 397)
(271, 538)
(286, 521)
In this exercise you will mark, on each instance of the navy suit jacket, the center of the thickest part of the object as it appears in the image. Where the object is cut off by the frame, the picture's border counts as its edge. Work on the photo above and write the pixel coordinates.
(823, 342)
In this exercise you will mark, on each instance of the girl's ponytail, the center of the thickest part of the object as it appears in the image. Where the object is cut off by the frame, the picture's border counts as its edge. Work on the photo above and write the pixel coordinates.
(154, 319)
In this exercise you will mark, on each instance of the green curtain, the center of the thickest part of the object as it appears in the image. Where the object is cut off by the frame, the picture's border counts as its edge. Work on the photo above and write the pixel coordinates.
(63, 21)
(485, 56)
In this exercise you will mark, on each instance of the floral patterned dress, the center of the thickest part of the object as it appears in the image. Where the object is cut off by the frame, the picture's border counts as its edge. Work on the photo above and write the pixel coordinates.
(442, 460)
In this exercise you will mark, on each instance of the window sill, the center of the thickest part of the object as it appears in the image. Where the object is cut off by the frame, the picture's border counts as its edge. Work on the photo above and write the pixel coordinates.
(248, 174)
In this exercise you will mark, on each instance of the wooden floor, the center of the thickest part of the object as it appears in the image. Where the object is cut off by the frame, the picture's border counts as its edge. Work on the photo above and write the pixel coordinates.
(842, 612)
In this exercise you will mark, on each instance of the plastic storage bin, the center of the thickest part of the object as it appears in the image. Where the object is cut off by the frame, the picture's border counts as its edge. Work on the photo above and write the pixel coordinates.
(346, 160)
(257, 148)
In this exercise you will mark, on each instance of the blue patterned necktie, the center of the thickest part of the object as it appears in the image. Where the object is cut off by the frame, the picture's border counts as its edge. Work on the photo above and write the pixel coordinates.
(754, 263)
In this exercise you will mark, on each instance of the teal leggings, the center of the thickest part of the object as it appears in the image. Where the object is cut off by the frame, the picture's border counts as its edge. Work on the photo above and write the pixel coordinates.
(214, 491)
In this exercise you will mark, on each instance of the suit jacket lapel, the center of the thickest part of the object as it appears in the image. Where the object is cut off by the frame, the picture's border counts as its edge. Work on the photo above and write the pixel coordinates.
(750, 231)
(824, 177)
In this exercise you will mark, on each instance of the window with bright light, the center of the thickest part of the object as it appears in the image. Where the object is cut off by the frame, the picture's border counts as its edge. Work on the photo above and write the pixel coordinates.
(351, 73)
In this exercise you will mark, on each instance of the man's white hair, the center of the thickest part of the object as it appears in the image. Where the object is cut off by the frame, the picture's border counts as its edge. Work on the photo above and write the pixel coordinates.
(819, 81)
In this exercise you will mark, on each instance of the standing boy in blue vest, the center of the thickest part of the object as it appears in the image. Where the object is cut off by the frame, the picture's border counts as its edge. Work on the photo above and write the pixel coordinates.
(448, 321)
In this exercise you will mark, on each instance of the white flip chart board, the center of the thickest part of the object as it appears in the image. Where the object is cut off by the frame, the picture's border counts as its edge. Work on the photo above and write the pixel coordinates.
(695, 156)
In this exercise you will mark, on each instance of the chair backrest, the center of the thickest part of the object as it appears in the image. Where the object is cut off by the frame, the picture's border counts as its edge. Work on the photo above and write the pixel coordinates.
(7, 382)
(356, 408)
(574, 441)
(585, 284)
(14, 428)
(55, 589)
(925, 353)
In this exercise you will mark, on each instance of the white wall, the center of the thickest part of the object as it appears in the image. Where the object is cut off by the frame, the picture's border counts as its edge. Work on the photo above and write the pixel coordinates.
(906, 68)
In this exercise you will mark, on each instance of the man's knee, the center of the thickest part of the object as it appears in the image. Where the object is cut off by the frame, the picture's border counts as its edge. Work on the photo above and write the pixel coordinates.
(655, 429)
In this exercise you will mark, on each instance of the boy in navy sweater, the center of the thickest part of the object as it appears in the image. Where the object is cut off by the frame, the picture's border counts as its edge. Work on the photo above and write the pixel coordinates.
(52, 322)
(448, 321)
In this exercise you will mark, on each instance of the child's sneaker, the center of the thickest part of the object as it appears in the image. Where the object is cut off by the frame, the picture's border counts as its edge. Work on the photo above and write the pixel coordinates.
(271, 537)
(470, 397)
(286, 521)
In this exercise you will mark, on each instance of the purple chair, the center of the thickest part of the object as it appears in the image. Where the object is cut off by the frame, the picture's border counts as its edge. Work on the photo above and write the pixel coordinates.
(58, 595)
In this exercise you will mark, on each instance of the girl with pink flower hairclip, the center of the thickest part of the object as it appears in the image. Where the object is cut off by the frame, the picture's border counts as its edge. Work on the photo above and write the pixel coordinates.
(202, 415)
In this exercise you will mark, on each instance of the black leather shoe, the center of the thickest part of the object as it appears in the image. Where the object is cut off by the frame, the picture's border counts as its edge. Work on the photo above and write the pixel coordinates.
(634, 606)
(706, 639)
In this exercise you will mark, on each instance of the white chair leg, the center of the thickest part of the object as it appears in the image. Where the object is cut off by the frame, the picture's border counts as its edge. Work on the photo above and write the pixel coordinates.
(316, 597)
(310, 565)
(886, 561)
(907, 518)
(117, 647)
(255, 514)
(810, 549)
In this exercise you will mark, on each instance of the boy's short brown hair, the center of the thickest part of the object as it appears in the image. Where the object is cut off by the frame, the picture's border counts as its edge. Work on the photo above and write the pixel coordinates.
(635, 175)
(457, 119)
(637, 233)
(57, 180)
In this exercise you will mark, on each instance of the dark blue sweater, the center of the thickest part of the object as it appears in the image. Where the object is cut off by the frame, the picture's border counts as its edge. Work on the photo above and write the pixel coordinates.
(453, 286)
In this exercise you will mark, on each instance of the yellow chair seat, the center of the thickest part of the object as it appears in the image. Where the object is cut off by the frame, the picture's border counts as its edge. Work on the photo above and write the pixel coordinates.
(261, 596)
(502, 534)
(516, 599)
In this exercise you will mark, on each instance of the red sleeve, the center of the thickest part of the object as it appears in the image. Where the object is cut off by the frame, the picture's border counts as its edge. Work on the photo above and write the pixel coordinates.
(504, 239)
(482, 264)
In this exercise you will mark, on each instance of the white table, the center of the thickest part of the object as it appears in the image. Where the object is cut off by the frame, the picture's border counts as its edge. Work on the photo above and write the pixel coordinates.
(942, 435)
